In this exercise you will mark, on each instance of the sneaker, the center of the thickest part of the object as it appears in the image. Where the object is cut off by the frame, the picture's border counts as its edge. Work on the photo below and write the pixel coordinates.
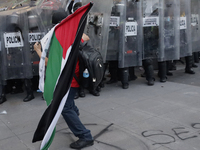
(81, 144)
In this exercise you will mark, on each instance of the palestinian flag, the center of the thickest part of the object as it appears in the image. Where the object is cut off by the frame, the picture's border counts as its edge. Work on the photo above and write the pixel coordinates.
(63, 54)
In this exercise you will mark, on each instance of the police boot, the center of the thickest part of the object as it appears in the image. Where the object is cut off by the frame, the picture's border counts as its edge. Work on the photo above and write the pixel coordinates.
(17, 86)
(81, 92)
(196, 57)
(28, 86)
(113, 78)
(173, 65)
(3, 94)
(76, 96)
(132, 75)
(101, 84)
(162, 71)
(113, 68)
(149, 73)
(169, 64)
(188, 66)
(199, 55)
(124, 78)
(94, 92)
(143, 74)
(194, 60)
(194, 65)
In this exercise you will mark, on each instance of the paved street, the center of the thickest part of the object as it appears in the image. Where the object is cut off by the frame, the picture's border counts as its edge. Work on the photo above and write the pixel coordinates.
(160, 117)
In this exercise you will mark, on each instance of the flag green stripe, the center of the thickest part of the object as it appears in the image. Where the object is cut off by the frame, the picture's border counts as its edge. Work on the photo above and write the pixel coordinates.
(53, 68)
(46, 147)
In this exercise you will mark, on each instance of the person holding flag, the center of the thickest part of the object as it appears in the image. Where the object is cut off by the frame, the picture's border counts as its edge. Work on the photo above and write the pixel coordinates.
(60, 85)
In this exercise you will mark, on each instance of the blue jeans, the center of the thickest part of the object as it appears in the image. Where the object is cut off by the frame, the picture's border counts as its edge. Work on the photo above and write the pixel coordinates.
(70, 114)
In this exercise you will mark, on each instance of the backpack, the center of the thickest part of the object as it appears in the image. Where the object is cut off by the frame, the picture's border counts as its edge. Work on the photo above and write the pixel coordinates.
(92, 60)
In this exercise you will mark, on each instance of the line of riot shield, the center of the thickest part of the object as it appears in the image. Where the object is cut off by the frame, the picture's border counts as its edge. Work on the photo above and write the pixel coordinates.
(14, 36)
(169, 13)
(97, 27)
(129, 50)
(150, 31)
(195, 25)
(113, 35)
(185, 29)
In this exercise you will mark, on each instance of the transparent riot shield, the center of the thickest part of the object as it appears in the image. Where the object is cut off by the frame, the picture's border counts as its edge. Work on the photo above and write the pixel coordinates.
(169, 13)
(39, 23)
(129, 50)
(1, 70)
(36, 32)
(150, 31)
(44, 10)
(15, 52)
(113, 35)
(185, 30)
(97, 27)
(195, 25)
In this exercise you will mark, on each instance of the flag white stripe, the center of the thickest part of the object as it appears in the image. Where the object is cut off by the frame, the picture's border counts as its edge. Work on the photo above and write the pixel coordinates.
(54, 122)
(45, 43)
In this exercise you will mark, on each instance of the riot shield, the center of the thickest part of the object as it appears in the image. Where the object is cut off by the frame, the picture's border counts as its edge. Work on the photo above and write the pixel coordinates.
(150, 31)
(195, 25)
(39, 23)
(35, 34)
(97, 26)
(129, 39)
(1, 69)
(44, 11)
(15, 53)
(185, 30)
(113, 35)
(169, 13)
